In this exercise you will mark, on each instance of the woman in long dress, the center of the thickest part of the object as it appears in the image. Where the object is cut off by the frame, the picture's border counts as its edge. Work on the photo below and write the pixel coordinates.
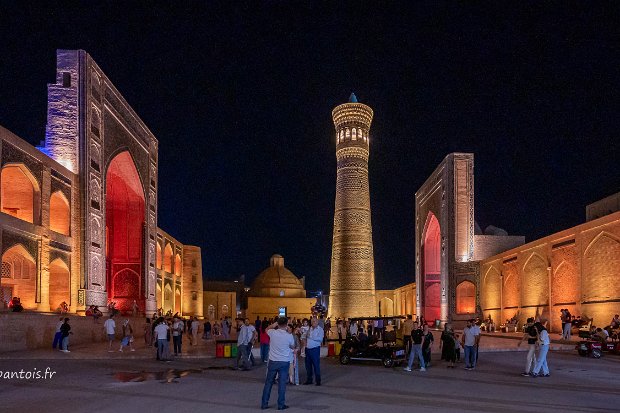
(448, 345)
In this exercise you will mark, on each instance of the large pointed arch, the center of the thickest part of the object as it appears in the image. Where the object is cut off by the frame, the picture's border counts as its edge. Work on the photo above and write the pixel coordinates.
(431, 269)
(125, 220)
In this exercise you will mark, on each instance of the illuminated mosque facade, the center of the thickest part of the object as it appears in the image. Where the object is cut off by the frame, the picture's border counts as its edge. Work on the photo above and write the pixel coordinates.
(78, 215)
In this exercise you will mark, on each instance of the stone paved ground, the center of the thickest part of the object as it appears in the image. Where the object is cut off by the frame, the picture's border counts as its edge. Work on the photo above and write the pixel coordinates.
(208, 385)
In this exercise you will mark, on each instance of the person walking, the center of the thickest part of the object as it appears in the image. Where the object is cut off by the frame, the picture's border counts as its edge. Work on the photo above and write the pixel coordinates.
(293, 371)
(281, 345)
(448, 344)
(426, 347)
(470, 340)
(195, 328)
(243, 338)
(127, 336)
(567, 324)
(314, 338)
(65, 330)
(148, 333)
(177, 335)
(110, 328)
(531, 335)
(417, 337)
(543, 343)
(58, 334)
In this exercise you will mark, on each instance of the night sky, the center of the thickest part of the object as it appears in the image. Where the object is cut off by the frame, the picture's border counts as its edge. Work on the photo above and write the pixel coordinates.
(240, 98)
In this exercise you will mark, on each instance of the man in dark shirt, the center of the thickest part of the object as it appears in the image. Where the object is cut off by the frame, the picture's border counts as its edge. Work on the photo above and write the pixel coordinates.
(417, 337)
(531, 336)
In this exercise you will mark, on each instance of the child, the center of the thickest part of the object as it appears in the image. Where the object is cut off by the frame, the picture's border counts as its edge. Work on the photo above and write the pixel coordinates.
(303, 332)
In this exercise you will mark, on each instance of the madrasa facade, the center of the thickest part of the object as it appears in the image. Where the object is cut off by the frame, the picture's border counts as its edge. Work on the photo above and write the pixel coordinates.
(78, 220)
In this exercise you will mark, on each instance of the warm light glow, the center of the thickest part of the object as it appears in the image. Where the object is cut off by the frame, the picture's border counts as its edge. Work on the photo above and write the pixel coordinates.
(19, 275)
(466, 298)
(168, 258)
(18, 192)
(177, 264)
(60, 213)
(59, 286)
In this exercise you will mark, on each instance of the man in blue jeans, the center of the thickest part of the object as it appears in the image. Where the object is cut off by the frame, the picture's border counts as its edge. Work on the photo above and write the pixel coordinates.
(314, 338)
(281, 344)
(417, 338)
(470, 340)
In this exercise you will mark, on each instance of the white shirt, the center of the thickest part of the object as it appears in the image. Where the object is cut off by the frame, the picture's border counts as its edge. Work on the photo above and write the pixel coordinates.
(353, 329)
(242, 337)
(469, 334)
(544, 338)
(110, 326)
(315, 337)
(161, 331)
(177, 328)
(251, 331)
(280, 343)
(60, 323)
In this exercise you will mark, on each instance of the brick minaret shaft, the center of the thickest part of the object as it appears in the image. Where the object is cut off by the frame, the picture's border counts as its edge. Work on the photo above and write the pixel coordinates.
(352, 281)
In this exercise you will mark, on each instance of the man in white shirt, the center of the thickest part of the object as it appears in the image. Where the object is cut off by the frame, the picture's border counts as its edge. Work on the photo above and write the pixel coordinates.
(314, 338)
(541, 362)
(281, 344)
(253, 336)
(110, 328)
(161, 334)
(470, 340)
(243, 338)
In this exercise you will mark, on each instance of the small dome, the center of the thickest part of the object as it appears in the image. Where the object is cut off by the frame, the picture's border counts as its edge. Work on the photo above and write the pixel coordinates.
(275, 279)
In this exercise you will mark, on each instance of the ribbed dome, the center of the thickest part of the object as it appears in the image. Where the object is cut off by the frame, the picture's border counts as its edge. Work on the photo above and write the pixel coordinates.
(276, 279)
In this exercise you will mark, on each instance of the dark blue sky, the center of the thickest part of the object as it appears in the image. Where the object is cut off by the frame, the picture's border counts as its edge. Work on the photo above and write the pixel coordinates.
(240, 98)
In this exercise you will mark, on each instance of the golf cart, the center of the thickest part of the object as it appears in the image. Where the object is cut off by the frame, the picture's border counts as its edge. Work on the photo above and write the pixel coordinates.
(380, 346)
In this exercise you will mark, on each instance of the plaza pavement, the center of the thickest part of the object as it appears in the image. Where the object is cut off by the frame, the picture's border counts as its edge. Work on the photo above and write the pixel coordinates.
(114, 382)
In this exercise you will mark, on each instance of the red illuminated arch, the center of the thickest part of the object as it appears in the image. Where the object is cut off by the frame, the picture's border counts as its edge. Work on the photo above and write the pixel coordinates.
(431, 269)
(125, 219)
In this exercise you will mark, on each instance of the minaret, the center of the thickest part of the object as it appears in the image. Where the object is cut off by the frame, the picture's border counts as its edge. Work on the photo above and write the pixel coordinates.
(352, 281)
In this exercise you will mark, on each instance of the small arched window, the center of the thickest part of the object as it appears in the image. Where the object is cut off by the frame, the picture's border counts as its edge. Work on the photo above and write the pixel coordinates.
(354, 134)
(348, 133)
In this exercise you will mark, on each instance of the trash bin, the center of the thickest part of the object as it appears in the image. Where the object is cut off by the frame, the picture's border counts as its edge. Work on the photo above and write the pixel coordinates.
(219, 350)
(331, 350)
(227, 350)
(233, 350)
(337, 348)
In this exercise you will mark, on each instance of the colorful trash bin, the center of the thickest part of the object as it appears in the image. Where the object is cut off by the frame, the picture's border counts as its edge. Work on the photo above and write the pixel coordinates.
(227, 350)
(233, 350)
(331, 350)
(219, 350)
